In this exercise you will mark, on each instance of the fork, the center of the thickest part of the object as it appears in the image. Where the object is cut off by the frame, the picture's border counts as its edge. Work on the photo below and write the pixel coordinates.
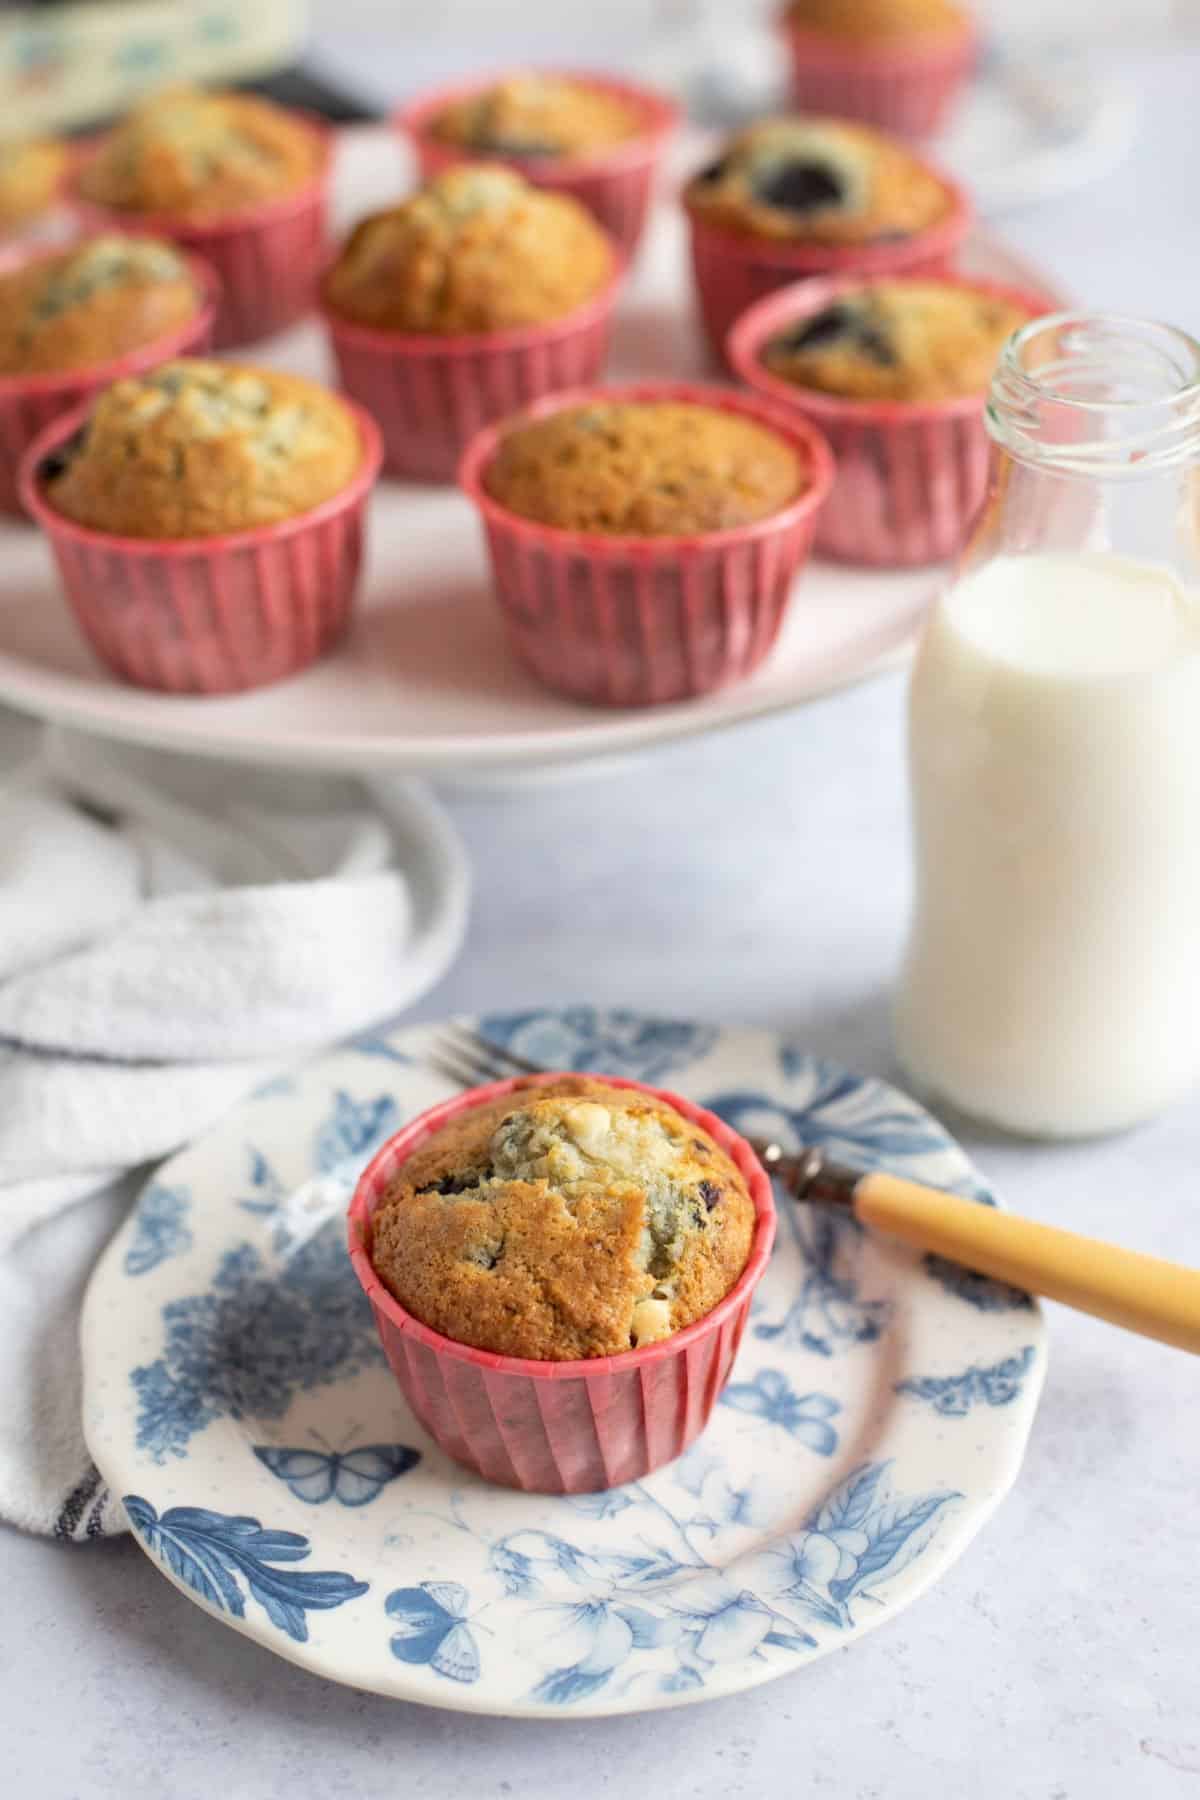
(1146, 1294)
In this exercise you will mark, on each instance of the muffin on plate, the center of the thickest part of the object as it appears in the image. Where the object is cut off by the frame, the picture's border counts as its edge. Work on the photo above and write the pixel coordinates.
(598, 140)
(793, 197)
(899, 64)
(534, 115)
(472, 297)
(571, 1220)
(896, 374)
(92, 302)
(31, 173)
(207, 520)
(910, 341)
(475, 250)
(237, 178)
(645, 541)
(645, 469)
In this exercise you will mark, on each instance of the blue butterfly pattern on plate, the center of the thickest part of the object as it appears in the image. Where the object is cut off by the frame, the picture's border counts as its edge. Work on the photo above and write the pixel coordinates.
(215, 1552)
(772, 1398)
(353, 1477)
(954, 1395)
(160, 1228)
(430, 1626)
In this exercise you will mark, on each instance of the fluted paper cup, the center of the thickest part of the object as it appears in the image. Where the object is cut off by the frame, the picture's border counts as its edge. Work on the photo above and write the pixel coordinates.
(28, 403)
(268, 257)
(908, 87)
(615, 183)
(431, 393)
(559, 1427)
(639, 621)
(733, 270)
(909, 478)
(209, 615)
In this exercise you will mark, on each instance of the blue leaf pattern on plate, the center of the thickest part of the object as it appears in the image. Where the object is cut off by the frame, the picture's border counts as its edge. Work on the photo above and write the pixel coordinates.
(214, 1553)
(954, 1395)
(618, 1042)
(979, 1291)
(353, 1128)
(160, 1228)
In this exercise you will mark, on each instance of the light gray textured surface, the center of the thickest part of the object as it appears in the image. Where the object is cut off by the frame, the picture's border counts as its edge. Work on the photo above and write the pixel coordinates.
(758, 876)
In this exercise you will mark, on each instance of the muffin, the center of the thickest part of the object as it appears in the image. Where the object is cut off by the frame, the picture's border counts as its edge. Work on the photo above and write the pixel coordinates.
(818, 181)
(31, 172)
(915, 342)
(896, 64)
(93, 302)
(475, 250)
(198, 449)
(655, 468)
(563, 1221)
(876, 21)
(532, 115)
(201, 156)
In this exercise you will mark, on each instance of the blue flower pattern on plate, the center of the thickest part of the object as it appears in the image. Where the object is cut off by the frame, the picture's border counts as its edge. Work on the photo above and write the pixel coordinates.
(954, 1395)
(160, 1228)
(619, 1043)
(353, 1128)
(214, 1553)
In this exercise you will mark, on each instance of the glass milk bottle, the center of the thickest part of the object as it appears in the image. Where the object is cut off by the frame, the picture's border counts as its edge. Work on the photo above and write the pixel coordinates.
(1052, 980)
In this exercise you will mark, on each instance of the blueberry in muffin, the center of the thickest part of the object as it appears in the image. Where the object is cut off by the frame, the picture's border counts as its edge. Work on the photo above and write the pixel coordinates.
(91, 303)
(565, 1220)
(645, 468)
(197, 448)
(477, 249)
(819, 181)
(537, 116)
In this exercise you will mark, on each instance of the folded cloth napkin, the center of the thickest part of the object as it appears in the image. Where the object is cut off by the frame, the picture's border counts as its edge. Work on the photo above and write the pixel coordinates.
(171, 932)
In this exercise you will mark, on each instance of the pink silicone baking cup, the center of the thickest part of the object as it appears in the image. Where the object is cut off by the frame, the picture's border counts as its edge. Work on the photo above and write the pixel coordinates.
(733, 269)
(906, 88)
(910, 478)
(560, 1427)
(210, 615)
(430, 394)
(268, 258)
(28, 403)
(616, 184)
(639, 621)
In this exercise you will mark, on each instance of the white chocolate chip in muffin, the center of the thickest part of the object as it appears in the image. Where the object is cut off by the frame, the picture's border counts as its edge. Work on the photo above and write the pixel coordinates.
(590, 1125)
(651, 1322)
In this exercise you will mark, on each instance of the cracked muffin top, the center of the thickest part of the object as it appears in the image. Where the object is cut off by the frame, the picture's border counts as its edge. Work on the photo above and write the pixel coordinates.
(196, 448)
(568, 1219)
(538, 116)
(31, 171)
(644, 468)
(915, 341)
(201, 155)
(818, 181)
(876, 21)
(475, 250)
(91, 303)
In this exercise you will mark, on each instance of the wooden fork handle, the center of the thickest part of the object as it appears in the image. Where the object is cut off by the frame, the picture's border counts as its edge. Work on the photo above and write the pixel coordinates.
(1143, 1293)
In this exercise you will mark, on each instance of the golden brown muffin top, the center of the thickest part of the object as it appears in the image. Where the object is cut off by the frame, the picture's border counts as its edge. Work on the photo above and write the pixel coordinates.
(818, 181)
(565, 1220)
(917, 341)
(883, 21)
(538, 116)
(475, 250)
(201, 155)
(644, 468)
(91, 303)
(31, 171)
(197, 448)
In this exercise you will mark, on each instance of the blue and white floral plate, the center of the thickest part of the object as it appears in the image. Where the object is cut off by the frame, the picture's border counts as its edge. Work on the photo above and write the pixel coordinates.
(237, 1401)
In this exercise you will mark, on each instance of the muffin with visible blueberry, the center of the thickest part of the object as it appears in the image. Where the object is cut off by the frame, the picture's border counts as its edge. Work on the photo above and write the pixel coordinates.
(915, 342)
(538, 116)
(477, 249)
(894, 63)
(652, 468)
(565, 1221)
(198, 448)
(31, 173)
(92, 303)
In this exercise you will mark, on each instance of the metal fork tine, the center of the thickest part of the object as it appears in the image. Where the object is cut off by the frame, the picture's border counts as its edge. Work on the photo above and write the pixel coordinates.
(501, 1061)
